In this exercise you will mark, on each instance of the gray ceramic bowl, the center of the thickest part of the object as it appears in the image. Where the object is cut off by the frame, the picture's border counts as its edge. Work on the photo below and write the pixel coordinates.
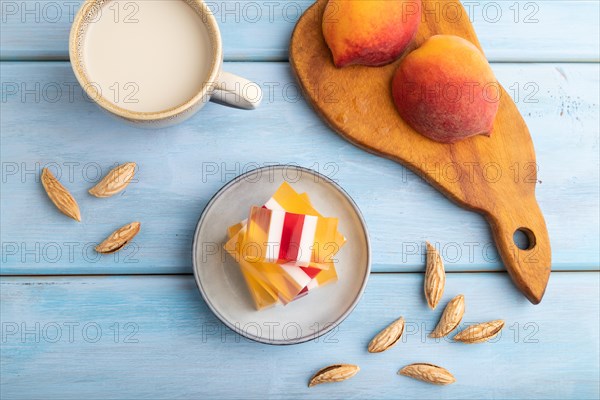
(222, 284)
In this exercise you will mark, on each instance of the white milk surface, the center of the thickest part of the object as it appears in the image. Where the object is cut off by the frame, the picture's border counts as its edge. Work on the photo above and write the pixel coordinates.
(148, 55)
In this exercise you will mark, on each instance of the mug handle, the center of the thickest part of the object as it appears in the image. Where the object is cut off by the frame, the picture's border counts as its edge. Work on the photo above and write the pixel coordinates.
(235, 91)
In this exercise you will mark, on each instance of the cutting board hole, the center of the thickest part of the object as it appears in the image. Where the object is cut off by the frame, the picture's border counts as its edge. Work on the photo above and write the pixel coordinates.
(524, 239)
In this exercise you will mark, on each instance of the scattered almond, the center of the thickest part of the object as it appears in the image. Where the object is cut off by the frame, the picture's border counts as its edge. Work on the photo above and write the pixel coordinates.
(60, 196)
(119, 238)
(115, 181)
(480, 332)
(435, 277)
(428, 373)
(334, 373)
(451, 317)
(387, 337)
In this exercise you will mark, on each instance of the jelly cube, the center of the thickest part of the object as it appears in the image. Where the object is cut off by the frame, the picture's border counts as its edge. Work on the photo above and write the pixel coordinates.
(286, 281)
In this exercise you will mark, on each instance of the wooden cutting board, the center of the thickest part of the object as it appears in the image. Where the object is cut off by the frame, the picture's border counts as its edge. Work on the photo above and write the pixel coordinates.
(495, 176)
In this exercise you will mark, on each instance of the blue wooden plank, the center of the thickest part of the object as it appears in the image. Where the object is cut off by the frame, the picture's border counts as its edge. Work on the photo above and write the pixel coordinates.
(180, 168)
(179, 349)
(519, 30)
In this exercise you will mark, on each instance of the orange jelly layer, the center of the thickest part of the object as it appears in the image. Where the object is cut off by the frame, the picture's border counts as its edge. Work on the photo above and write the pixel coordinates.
(271, 276)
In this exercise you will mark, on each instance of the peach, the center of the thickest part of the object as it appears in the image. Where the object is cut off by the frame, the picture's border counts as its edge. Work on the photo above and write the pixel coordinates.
(369, 32)
(446, 90)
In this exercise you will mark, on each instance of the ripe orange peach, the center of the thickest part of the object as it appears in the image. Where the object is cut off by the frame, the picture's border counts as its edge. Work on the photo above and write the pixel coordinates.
(446, 90)
(369, 32)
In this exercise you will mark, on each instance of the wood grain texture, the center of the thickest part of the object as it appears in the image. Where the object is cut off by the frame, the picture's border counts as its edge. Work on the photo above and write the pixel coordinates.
(520, 30)
(180, 168)
(182, 351)
(365, 114)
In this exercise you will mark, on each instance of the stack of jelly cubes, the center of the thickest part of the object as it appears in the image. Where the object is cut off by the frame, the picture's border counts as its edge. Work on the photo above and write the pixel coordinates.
(285, 249)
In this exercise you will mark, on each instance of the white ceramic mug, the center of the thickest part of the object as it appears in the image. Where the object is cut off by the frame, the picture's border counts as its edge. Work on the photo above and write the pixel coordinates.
(223, 87)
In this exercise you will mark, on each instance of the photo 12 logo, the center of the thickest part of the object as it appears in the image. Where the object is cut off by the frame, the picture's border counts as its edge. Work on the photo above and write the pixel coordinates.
(69, 332)
(267, 171)
(29, 253)
(66, 171)
(270, 331)
(49, 12)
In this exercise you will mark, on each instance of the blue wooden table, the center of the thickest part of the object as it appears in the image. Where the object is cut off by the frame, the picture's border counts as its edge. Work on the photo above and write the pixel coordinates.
(133, 325)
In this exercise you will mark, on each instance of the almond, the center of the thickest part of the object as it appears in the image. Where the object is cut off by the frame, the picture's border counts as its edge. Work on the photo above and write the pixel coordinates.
(115, 181)
(435, 277)
(60, 196)
(428, 373)
(387, 337)
(451, 317)
(480, 332)
(334, 373)
(119, 238)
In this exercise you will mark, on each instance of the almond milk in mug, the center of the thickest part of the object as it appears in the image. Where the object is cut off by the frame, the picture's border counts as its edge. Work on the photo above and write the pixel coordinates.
(153, 62)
